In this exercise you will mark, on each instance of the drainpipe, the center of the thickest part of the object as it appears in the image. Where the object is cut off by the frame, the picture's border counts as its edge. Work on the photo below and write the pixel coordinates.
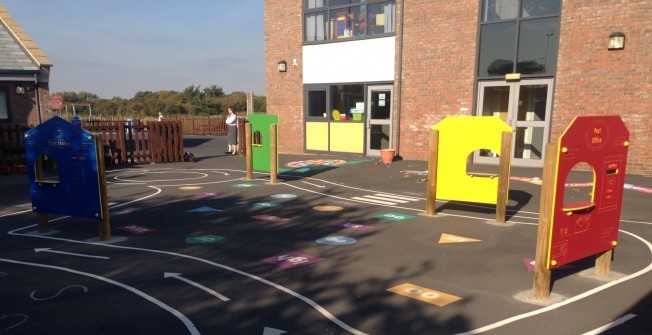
(398, 84)
(38, 100)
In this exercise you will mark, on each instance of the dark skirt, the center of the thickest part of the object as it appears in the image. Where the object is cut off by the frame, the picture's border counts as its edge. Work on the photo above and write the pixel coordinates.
(232, 135)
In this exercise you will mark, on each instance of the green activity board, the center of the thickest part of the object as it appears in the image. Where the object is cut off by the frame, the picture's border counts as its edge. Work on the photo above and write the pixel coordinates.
(261, 140)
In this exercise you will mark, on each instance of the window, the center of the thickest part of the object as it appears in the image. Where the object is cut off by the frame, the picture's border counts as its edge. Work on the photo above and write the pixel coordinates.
(4, 106)
(519, 36)
(335, 103)
(329, 20)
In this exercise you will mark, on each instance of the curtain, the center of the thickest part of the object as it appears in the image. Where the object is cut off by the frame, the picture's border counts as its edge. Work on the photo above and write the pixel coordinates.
(390, 17)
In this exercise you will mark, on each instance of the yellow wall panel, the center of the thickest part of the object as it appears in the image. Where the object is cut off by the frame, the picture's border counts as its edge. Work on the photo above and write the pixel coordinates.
(347, 137)
(317, 136)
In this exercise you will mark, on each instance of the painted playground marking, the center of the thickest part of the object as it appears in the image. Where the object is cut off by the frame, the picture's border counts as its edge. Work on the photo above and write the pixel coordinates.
(292, 260)
(136, 229)
(190, 188)
(204, 239)
(315, 162)
(394, 216)
(270, 218)
(448, 238)
(353, 226)
(336, 240)
(204, 209)
(437, 298)
(385, 199)
(328, 208)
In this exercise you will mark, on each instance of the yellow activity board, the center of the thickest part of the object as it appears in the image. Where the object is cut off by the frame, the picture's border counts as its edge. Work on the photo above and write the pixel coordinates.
(453, 140)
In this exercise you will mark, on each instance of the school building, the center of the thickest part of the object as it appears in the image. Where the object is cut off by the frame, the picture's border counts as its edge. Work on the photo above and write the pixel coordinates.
(358, 76)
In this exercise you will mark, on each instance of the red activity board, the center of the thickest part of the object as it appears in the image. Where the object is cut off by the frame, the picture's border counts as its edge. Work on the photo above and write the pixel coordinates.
(579, 230)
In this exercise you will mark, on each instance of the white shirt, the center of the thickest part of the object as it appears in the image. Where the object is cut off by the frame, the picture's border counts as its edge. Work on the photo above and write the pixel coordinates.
(231, 119)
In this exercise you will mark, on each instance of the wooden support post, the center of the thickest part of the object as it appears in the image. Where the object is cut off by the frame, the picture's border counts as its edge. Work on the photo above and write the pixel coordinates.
(542, 275)
(105, 225)
(503, 176)
(249, 157)
(273, 153)
(433, 153)
(603, 263)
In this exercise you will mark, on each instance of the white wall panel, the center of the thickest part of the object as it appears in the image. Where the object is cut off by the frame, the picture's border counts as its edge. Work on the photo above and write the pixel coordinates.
(352, 61)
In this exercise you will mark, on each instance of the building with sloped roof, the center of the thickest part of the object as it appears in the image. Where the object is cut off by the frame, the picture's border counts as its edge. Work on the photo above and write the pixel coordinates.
(24, 75)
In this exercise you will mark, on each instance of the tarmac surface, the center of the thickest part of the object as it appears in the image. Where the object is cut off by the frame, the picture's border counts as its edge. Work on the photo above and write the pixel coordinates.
(340, 245)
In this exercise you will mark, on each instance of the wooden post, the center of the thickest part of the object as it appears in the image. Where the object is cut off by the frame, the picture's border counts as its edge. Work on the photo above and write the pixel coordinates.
(603, 263)
(433, 153)
(105, 225)
(273, 153)
(249, 157)
(503, 176)
(542, 275)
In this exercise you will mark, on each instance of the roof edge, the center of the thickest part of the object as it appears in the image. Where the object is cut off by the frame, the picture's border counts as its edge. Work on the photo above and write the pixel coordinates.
(34, 52)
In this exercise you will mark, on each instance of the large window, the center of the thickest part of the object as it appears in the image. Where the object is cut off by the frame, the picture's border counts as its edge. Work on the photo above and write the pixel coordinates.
(335, 103)
(326, 20)
(519, 36)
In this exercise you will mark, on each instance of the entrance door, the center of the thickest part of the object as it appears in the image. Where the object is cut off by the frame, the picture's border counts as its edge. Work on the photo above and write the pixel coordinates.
(379, 119)
(524, 105)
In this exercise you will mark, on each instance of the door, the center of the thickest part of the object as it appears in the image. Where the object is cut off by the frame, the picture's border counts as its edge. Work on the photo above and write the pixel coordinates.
(379, 119)
(525, 106)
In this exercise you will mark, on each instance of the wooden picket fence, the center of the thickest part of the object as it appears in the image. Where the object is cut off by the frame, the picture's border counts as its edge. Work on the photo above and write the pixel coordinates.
(139, 143)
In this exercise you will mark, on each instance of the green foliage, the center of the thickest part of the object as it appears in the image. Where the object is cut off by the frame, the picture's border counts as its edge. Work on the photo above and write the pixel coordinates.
(193, 100)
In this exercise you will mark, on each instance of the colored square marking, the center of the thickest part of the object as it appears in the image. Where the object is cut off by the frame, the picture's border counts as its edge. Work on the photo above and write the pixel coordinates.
(292, 260)
(204, 239)
(204, 209)
(136, 229)
(270, 218)
(353, 226)
(424, 294)
(394, 216)
(245, 185)
(211, 195)
(266, 204)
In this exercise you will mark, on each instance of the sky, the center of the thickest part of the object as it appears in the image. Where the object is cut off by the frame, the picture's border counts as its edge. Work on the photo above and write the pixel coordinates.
(116, 48)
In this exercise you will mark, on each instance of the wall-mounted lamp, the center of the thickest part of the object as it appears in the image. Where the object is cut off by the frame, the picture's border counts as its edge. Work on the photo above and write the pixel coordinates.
(20, 89)
(282, 66)
(617, 41)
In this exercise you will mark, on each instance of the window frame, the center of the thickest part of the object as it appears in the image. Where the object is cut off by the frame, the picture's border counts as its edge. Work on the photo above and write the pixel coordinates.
(518, 20)
(327, 9)
(7, 119)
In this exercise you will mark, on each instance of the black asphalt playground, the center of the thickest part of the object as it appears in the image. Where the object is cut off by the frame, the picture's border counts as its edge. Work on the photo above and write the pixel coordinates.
(339, 245)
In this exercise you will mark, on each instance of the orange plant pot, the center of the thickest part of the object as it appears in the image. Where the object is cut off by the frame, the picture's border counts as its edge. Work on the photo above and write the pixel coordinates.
(387, 155)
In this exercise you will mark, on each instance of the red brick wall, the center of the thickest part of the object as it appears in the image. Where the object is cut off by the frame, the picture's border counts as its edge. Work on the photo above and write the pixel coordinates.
(22, 107)
(283, 41)
(592, 80)
(439, 47)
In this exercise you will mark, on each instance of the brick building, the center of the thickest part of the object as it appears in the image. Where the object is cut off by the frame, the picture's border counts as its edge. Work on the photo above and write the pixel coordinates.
(357, 76)
(24, 76)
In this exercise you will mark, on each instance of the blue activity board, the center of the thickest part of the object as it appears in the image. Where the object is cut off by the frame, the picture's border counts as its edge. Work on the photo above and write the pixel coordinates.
(73, 188)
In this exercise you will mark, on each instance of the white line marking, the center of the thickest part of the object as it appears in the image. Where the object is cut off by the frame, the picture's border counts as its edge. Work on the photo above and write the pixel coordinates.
(197, 285)
(67, 253)
(400, 197)
(384, 198)
(24, 316)
(610, 325)
(320, 186)
(372, 201)
(33, 296)
(191, 327)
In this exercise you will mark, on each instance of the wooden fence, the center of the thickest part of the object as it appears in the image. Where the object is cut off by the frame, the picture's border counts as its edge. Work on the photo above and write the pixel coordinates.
(140, 143)
(12, 148)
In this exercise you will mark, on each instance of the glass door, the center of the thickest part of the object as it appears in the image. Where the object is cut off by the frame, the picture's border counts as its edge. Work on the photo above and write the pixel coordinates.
(525, 106)
(379, 119)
